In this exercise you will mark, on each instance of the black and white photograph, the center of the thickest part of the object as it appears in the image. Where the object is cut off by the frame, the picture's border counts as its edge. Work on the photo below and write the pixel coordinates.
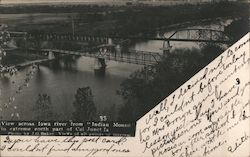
(106, 62)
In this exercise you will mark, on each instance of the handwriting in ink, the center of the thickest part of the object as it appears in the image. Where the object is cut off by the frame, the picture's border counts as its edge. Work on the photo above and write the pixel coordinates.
(238, 143)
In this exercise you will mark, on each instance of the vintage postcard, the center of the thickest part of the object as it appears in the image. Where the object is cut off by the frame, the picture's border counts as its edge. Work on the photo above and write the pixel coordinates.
(153, 78)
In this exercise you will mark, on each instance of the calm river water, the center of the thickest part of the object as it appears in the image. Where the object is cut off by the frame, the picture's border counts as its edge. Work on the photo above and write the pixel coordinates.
(61, 83)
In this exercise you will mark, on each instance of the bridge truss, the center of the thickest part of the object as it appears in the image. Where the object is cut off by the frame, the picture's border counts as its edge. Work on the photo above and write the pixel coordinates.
(183, 35)
(133, 56)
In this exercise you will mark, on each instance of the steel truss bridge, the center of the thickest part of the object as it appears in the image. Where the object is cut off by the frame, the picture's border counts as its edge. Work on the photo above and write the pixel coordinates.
(134, 57)
(183, 35)
(107, 44)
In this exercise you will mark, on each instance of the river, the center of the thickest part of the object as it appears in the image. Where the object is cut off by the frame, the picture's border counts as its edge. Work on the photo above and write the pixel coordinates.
(61, 82)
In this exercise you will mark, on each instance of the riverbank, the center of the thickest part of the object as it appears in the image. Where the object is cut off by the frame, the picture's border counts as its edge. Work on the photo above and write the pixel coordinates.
(15, 57)
(61, 79)
(99, 2)
(113, 20)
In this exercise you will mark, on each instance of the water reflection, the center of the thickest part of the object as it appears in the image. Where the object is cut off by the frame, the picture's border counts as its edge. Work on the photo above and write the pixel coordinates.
(61, 78)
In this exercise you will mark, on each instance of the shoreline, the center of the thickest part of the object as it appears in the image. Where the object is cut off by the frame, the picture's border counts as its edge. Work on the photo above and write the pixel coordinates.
(106, 3)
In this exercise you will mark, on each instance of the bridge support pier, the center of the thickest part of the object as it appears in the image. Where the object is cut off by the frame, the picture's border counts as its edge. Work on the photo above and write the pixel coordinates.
(118, 50)
(51, 55)
(110, 41)
(166, 48)
(100, 66)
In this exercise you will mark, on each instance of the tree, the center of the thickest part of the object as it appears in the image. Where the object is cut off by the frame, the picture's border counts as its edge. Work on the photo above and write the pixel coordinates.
(237, 29)
(4, 38)
(84, 105)
(146, 88)
(43, 108)
(36, 42)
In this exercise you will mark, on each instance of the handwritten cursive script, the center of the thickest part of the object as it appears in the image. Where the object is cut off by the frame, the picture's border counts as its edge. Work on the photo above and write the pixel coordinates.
(198, 118)
(52, 145)
(207, 116)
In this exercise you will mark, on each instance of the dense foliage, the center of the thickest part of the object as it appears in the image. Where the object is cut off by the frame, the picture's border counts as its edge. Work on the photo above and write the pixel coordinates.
(84, 105)
(4, 37)
(43, 108)
(238, 28)
(146, 88)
